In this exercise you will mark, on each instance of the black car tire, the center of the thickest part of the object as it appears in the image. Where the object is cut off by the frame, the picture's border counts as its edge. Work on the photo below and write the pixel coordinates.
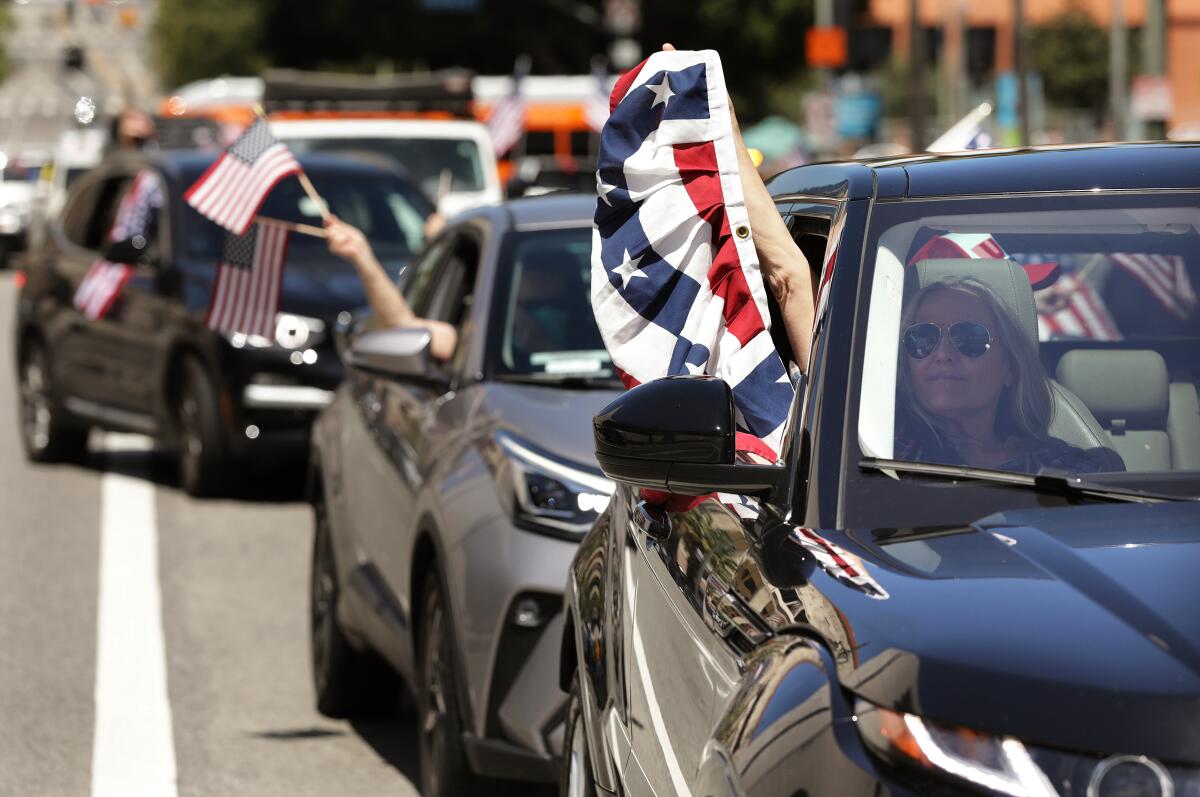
(444, 767)
(575, 778)
(348, 683)
(45, 436)
(203, 464)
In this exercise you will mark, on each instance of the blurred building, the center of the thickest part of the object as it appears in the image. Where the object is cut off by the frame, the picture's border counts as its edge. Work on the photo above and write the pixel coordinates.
(989, 35)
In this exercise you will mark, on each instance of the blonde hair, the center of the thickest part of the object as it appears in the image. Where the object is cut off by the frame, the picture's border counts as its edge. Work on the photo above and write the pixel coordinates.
(1025, 406)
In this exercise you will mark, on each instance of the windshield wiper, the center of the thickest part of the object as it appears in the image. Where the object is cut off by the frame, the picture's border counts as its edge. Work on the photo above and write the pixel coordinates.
(1042, 483)
(570, 381)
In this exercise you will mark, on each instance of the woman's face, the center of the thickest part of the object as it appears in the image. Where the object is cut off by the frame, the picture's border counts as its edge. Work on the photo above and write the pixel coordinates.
(947, 383)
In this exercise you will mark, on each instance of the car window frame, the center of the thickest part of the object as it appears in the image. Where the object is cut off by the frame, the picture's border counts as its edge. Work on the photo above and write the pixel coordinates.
(969, 500)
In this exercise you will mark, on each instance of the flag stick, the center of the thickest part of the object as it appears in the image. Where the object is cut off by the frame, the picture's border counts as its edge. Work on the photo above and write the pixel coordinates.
(313, 195)
(307, 229)
(305, 183)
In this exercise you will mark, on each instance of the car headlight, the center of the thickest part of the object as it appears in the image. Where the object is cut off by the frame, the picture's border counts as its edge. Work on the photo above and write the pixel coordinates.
(548, 495)
(999, 763)
(292, 332)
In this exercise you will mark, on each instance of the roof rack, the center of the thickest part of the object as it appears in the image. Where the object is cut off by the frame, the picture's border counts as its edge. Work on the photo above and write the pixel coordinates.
(448, 91)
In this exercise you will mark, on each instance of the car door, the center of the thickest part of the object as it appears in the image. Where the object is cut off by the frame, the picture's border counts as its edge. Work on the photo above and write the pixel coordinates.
(134, 331)
(399, 444)
(83, 367)
(698, 604)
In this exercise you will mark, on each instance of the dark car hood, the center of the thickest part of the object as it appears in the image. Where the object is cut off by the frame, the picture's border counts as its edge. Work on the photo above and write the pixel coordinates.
(317, 287)
(555, 420)
(1073, 627)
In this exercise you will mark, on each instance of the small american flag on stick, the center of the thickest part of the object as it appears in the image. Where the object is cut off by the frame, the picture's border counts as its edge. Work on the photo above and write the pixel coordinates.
(233, 188)
(246, 292)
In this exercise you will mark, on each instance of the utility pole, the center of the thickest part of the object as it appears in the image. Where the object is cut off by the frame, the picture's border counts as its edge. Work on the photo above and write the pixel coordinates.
(1118, 72)
(1022, 68)
(1154, 57)
(916, 62)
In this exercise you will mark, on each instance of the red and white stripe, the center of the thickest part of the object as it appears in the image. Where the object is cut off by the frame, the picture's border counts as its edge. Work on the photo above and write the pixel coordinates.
(506, 125)
(246, 299)
(1166, 279)
(1084, 316)
(100, 287)
(232, 190)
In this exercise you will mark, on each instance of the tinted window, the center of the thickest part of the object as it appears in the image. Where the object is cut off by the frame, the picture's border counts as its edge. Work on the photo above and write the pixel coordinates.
(543, 307)
(425, 159)
(390, 213)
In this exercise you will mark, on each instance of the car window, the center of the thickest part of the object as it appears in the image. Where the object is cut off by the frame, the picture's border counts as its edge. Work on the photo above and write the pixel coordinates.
(1057, 335)
(420, 282)
(137, 210)
(88, 213)
(451, 295)
(544, 319)
(390, 212)
(424, 159)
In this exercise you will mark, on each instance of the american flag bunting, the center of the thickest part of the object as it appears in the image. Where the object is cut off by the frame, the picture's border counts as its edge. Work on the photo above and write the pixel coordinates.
(102, 284)
(674, 289)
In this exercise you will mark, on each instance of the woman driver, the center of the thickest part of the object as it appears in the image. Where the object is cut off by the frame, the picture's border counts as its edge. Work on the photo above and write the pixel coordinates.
(972, 390)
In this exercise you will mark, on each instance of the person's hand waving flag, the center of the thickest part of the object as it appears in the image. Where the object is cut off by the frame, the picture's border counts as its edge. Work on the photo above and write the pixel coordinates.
(676, 283)
(234, 188)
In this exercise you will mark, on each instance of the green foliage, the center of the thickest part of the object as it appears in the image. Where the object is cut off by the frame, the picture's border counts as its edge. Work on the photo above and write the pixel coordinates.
(6, 25)
(761, 44)
(761, 41)
(196, 39)
(1071, 53)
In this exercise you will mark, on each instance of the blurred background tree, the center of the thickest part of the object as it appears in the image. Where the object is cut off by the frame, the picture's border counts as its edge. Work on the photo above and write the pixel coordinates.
(1071, 53)
(194, 39)
(760, 41)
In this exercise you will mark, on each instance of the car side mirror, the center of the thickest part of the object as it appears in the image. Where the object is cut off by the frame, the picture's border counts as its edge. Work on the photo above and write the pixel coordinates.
(399, 353)
(133, 250)
(677, 434)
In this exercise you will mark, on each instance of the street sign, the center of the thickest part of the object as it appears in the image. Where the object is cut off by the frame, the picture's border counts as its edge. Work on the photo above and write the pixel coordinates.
(1150, 99)
(825, 47)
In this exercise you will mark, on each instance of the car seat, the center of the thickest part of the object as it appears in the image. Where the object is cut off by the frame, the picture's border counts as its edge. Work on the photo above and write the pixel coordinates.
(1071, 420)
(1153, 424)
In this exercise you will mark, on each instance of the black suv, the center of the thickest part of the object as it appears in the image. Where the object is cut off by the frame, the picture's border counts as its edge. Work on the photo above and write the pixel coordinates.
(149, 363)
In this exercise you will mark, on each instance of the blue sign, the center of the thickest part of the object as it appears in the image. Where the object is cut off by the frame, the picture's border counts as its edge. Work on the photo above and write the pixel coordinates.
(1006, 99)
(857, 114)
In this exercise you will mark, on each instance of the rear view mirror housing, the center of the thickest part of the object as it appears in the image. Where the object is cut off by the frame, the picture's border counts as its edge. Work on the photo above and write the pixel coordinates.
(401, 353)
(677, 434)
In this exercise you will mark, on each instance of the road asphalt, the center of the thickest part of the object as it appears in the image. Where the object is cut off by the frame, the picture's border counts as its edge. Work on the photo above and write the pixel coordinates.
(233, 583)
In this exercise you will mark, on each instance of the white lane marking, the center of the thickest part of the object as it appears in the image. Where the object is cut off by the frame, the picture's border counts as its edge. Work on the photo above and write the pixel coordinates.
(134, 750)
(656, 717)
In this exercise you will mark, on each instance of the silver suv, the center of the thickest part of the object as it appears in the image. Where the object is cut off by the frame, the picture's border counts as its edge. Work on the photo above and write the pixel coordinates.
(449, 499)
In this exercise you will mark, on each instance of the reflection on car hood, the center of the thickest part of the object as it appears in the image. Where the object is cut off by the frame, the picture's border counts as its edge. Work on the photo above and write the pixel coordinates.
(1073, 627)
(557, 421)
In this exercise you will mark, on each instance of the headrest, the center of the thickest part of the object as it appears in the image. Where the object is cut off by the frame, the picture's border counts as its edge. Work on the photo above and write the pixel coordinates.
(1004, 278)
(1128, 385)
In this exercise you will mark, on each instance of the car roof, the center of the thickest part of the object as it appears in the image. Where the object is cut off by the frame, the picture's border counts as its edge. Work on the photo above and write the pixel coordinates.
(190, 160)
(1091, 167)
(351, 127)
(541, 212)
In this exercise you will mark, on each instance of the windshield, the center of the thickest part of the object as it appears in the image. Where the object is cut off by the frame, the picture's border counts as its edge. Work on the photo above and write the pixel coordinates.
(390, 213)
(1049, 335)
(425, 159)
(544, 325)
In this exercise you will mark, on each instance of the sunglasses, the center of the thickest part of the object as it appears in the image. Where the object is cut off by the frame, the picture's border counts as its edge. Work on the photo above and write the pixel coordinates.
(971, 339)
